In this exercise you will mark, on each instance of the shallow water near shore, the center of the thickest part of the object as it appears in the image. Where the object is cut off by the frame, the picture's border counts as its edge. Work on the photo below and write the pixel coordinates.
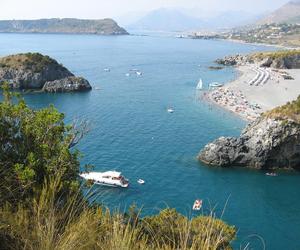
(132, 132)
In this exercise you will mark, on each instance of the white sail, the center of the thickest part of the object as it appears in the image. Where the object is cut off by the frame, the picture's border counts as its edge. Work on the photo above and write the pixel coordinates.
(199, 85)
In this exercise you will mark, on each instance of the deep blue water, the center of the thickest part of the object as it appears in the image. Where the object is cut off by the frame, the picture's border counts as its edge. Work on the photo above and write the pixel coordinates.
(132, 132)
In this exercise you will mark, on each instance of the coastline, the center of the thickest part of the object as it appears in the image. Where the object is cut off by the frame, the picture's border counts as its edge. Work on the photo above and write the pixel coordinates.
(250, 101)
(260, 44)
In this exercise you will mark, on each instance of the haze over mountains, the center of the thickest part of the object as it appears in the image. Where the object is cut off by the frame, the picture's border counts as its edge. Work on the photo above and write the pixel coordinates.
(168, 19)
(177, 20)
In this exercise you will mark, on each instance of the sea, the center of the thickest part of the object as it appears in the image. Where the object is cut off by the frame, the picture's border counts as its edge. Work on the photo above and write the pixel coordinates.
(132, 132)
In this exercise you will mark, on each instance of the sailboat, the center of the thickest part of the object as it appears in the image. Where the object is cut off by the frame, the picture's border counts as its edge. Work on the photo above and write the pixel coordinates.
(200, 85)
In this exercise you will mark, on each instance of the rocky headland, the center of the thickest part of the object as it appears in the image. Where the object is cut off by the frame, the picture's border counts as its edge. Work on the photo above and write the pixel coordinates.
(286, 59)
(270, 142)
(105, 26)
(33, 71)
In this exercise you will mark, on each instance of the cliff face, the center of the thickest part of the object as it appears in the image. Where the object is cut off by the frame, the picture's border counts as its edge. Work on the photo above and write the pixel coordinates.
(265, 144)
(33, 70)
(68, 84)
(65, 25)
(279, 60)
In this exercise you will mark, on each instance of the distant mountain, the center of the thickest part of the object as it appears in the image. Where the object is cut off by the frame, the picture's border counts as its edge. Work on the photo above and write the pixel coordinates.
(166, 20)
(288, 13)
(65, 25)
(177, 20)
(231, 19)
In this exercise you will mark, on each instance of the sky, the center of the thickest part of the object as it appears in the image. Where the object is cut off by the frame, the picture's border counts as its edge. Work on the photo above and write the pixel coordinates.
(97, 9)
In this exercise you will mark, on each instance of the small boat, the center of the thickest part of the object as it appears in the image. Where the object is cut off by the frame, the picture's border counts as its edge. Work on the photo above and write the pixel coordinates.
(109, 178)
(197, 205)
(138, 73)
(215, 85)
(271, 174)
(97, 88)
(127, 74)
(199, 85)
(106, 70)
(170, 110)
(140, 181)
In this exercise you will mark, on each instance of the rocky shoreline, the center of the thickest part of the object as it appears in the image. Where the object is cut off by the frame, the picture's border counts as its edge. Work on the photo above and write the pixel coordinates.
(269, 141)
(265, 143)
(33, 71)
(278, 60)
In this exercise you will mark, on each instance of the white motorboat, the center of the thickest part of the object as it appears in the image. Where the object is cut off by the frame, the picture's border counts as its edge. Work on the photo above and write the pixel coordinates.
(199, 85)
(138, 73)
(215, 85)
(106, 70)
(271, 174)
(109, 178)
(170, 110)
(141, 181)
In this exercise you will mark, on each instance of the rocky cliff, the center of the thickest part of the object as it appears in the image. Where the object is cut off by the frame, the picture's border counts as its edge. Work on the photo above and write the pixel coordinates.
(65, 25)
(68, 84)
(289, 59)
(33, 71)
(272, 141)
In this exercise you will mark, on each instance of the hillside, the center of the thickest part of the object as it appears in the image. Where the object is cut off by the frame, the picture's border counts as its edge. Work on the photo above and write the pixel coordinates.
(288, 13)
(65, 25)
(276, 34)
(36, 71)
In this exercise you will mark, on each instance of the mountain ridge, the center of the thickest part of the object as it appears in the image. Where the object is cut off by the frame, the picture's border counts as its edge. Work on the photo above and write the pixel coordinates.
(288, 13)
(105, 26)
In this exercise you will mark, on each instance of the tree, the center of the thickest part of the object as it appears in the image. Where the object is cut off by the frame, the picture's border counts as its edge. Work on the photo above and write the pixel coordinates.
(35, 145)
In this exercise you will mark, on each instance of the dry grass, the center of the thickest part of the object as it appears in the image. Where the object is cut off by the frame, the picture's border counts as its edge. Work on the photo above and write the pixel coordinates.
(276, 54)
(291, 110)
(51, 224)
(33, 61)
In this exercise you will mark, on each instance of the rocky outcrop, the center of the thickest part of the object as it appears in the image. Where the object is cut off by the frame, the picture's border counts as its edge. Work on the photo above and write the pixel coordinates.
(105, 26)
(264, 144)
(232, 60)
(289, 62)
(277, 60)
(68, 84)
(34, 71)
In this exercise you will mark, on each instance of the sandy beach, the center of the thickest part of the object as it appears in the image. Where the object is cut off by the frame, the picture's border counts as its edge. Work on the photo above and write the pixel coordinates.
(257, 90)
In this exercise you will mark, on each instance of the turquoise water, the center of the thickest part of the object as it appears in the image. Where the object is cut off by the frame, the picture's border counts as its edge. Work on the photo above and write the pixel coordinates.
(132, 132)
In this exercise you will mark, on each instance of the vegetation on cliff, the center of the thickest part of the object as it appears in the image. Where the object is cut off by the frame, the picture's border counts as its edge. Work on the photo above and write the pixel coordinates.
(37, 71)
(41, 203)
(29, 61)
(281, 54)
(289, 111)
(277, 34)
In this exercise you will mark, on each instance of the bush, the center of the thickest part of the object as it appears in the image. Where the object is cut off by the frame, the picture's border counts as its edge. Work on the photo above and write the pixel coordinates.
(34, 146)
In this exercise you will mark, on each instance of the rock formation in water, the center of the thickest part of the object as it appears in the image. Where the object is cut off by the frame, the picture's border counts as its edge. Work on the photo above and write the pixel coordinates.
(68, 84)
(65, 25)
(270, 142)
(35, 71)
(289, 59)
